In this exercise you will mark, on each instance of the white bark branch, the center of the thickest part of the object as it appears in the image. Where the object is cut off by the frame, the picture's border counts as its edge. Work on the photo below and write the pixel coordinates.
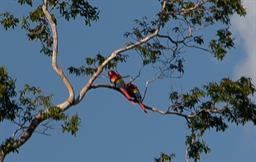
(69, 101)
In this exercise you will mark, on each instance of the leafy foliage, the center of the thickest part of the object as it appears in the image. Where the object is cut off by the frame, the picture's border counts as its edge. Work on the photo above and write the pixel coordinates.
(27, 2)
(225, 41)
(196, 146)
(8, 20)
(74, 8)
(165, 157)
(212, 107)
(8, 106)
(71, 125)
(22, 107)
(32, 101)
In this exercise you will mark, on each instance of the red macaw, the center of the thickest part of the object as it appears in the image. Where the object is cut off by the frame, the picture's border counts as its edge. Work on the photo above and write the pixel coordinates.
(118, 82)
(134, 92)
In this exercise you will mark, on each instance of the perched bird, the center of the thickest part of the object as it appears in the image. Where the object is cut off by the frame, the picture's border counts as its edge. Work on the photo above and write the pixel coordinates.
(134, 92)
(119, 83)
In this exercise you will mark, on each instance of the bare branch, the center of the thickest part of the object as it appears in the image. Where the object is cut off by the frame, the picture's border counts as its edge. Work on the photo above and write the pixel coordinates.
(197, 47)
(55, 66)
(45, 129)
(132, 79)
(147, 83)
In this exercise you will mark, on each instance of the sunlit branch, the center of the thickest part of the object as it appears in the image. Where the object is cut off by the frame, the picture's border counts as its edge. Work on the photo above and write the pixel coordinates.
(55, 66)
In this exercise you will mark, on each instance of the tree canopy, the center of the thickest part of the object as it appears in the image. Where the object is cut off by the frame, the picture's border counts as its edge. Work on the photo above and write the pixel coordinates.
(160, 42)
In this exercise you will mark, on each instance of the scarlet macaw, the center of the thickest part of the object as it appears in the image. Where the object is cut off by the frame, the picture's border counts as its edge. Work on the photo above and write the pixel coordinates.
(119, 83)
(134, 92)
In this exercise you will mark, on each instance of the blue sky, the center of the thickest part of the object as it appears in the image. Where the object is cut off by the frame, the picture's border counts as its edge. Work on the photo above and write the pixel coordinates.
(112, 129)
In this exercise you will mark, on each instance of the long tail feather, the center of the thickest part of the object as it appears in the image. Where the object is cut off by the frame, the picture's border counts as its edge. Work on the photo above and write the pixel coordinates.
(143, 107)
(127, 95)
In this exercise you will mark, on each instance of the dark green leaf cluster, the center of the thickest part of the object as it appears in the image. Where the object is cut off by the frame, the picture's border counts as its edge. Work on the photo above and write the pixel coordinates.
(82, 8)
(71, 125)
(142, 28)
(210, 11)
(8, 20)
(20, 107)
(222, 9)
(93, 63)
(54, 113)
(212, 107)
(31, 101)
(239, 107)
(196, 146)
(150, 52)
(225, 41)
(8, 106)
(165, 157)
(26, 2)
(71, 9)
(229, 99)
(37, 29)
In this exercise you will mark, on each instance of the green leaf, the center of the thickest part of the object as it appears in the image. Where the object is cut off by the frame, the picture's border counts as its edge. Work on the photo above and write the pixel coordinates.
(8, 106)
(8, 21)
(28, 2)
(71, 125)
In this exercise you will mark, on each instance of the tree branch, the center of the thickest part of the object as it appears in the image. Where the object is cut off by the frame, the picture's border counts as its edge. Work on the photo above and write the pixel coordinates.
(153, 109)
(63, 106)
(210, 110)
(69, 101)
